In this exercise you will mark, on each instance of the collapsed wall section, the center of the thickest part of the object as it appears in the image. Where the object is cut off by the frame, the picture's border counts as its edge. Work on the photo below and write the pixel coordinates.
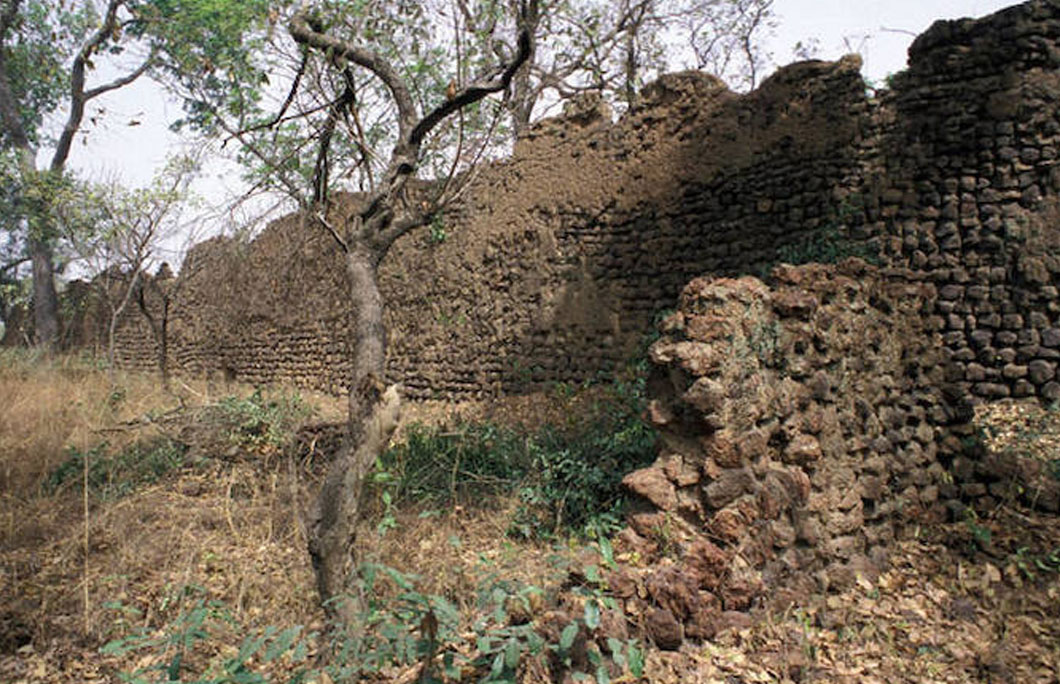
(802, 425)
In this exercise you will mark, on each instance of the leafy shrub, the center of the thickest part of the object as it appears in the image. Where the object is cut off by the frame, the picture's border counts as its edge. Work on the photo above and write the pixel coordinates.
(256, 422)
(197, 624)
(112, 475)
(565, 476)
(399, 627)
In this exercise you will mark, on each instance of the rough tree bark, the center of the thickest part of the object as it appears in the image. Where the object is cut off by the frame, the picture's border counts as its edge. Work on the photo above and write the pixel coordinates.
(366, 237)
(45, 299)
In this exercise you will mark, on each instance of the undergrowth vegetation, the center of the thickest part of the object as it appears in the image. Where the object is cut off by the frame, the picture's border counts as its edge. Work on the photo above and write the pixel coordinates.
(566, 477)
(176, 517)
(400, 628)
(112, 474)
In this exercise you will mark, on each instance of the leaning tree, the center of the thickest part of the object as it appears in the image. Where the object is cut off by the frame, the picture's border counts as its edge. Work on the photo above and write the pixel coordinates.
(357, 95)
(365, 237)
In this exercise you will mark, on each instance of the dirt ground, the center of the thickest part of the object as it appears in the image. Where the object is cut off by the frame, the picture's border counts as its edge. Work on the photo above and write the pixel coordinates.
(977, 600)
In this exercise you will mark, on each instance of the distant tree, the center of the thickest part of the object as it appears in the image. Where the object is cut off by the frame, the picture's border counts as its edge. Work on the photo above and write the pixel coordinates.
(615, 46)
(117, 233)
(47, 50)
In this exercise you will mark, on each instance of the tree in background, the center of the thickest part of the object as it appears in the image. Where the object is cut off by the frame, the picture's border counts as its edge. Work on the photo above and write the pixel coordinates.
(47, 50)
(614, 47)
(117, 233)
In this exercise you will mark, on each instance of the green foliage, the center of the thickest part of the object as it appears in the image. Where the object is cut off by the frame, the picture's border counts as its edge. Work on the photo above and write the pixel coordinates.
(566, 476)
(830, 243)
(824, 247)
(399, 627)
(212, 51)
(256, 422)
(44, 36)
(1031, 564)
(114, 474)
(193, 628)
(437, 234)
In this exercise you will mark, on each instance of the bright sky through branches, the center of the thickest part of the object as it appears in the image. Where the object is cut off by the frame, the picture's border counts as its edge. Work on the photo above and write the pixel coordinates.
(133, 140)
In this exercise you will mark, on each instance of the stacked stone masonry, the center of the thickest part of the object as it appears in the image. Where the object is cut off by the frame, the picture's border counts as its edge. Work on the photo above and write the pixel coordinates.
(802, 426)
(558, 260)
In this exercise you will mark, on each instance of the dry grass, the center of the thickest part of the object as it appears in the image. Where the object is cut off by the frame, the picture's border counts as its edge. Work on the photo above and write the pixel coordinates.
(232, 528)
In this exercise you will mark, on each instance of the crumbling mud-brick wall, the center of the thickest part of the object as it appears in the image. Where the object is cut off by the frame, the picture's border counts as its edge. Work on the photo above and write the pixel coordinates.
(801, 426)
(557, 260)
(554, 265)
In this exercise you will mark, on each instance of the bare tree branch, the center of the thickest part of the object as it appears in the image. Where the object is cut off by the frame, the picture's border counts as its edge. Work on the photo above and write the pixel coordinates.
(472, 93)
(77, 83)
(122, 81)
(14, 264)
(302, 31)
(279, 118)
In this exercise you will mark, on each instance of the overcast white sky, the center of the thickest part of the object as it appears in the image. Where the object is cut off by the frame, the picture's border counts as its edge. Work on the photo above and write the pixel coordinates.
(134, 152)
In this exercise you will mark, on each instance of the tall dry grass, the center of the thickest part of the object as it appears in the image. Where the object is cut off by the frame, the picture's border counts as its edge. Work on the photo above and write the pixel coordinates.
(231, 526)
(50, 405)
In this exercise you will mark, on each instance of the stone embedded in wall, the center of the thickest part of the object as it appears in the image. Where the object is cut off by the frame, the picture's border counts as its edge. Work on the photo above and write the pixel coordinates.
(557, 260)
(802, 425)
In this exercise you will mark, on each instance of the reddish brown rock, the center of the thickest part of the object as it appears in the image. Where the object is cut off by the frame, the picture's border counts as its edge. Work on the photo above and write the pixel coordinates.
(706, 563)
(706, 395)
(802, 450)
(653, 485)
(728, 524)
(673, 589)
(703, 624)
(664, 630)
(794, 304)
(729, 486)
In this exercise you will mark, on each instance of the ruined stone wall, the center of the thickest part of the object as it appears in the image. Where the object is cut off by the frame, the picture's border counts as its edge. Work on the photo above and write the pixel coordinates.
(970, 196)
(557, 260)
(802, 424)
(554, 266)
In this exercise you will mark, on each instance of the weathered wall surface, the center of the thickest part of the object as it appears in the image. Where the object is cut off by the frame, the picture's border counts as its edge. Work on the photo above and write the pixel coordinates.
(971, 193)
(802, 424)
(558, 259)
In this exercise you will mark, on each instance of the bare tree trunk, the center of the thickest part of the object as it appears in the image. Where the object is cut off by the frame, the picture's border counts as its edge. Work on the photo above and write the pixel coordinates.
(163, 345)
(159, 326)
(115, 316)
(373, 415)
(522, 95)
(45, 300)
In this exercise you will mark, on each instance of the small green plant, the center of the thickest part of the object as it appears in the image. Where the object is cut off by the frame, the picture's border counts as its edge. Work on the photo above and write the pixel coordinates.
(830, 244)
(1030, 564)
(260, 423)
(436, 234)
(981, 535)
(112, 475)
(193, 629)
(827, 246)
